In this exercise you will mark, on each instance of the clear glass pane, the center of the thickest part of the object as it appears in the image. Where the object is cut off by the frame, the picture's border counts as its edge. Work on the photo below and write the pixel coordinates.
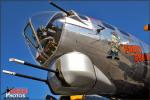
(40, 20)
(43, 33)
(30, 36)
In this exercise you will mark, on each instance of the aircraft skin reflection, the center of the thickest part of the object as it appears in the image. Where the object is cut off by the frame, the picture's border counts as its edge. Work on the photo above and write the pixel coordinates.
(87, 56)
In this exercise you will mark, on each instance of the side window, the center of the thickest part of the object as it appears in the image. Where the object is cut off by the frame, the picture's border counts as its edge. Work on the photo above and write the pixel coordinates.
(125, 33)
(108, 26)
(83, 17)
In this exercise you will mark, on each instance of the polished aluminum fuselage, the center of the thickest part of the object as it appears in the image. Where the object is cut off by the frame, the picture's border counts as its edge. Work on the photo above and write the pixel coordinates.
(127, 75)
(91, 57)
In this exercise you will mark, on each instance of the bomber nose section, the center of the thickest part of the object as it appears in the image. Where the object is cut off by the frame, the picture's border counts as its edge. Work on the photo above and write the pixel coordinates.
(43, 33)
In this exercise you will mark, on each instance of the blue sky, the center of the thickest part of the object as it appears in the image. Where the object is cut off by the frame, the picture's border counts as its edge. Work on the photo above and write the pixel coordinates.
(130, 16)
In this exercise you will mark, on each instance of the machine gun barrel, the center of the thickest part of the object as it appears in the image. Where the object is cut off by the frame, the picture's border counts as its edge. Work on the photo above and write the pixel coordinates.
(24, 76)
(53, 4)
(31, 65)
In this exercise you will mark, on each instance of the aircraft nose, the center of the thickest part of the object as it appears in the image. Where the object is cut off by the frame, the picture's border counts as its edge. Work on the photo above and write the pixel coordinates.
(43, 34)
